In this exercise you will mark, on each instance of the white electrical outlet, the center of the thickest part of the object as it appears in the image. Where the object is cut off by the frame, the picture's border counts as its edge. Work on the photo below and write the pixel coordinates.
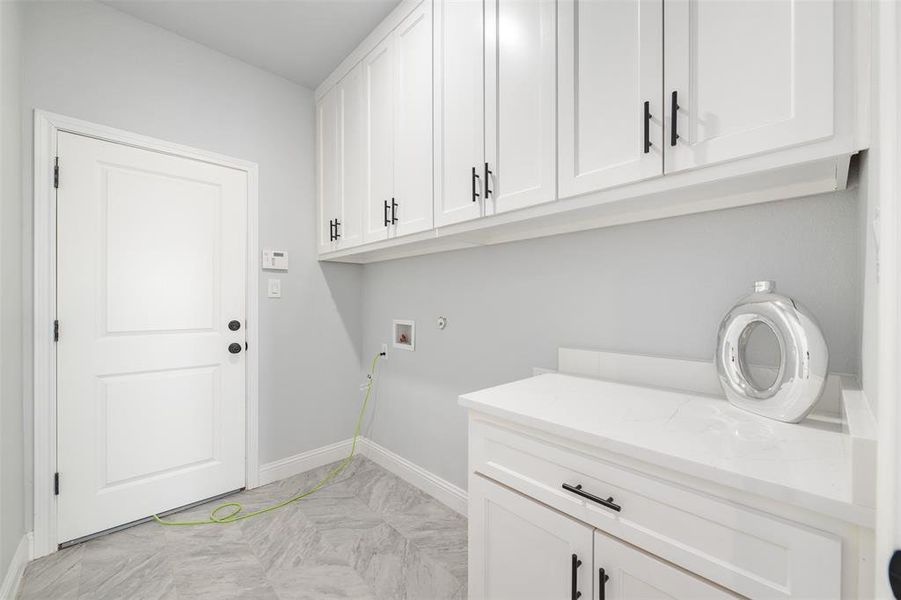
(385, 351)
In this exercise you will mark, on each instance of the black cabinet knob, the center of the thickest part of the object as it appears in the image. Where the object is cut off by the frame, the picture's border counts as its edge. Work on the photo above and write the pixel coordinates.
(234, 325)
(234, 348)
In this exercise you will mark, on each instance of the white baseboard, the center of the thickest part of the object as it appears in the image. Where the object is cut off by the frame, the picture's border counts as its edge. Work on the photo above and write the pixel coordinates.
(13, 578)
(303, 462)
(440, 489)
(445, 492)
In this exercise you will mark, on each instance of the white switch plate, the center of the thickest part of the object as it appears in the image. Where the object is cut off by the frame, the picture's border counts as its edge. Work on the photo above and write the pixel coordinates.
(275, 288)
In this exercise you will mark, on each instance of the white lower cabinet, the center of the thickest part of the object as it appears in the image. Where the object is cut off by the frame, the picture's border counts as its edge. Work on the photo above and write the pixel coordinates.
(520, 548)
(623, 572)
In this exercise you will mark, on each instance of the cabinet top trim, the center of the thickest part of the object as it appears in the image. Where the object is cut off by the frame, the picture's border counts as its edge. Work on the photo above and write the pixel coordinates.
(372, 40)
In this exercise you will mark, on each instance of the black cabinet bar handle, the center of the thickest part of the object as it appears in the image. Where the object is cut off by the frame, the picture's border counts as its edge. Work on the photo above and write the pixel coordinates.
(393, 211)
(647, 127)
(488, 174)
(331, 230)
(577, 490)
(576, 564)
(337, 232)
(385, 213)
(673, 134)
(602, 587)
(475, 194)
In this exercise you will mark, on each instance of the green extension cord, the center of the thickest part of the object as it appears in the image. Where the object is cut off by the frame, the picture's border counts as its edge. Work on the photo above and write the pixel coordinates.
(237, 513)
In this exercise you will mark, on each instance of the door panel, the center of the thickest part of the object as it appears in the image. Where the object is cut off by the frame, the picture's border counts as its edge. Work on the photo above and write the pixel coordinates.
(352, 97)
(151, 268)
(751, 76)
(631, 574)
(611, 63)
(328, 162)
(413, 122)
(522, 549)
(460, 114)
(520, 102)
(378, 73)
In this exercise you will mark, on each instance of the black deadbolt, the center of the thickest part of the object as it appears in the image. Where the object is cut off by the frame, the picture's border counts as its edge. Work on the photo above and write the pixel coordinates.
(234, 325)
(234, 348)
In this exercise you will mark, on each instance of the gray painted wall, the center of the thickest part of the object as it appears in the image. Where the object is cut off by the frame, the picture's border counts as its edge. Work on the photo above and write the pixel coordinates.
(90, 61)
(659, 287)
(12, 492)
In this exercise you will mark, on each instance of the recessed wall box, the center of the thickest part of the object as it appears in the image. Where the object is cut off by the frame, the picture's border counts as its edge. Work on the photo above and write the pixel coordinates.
(404, 335)
(275, 260)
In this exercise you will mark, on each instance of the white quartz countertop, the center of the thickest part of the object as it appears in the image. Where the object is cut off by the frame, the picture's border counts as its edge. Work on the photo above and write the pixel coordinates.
(808, 465)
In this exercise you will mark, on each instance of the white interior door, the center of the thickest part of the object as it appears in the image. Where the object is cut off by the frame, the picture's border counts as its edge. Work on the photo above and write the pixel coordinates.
(151, 270)
(611, 63)
(626, 573)
(521, 549)
(413, 181)
(328, 163)
(460, 111)
(352, 98)
(750, 76)
(378, 75)
(521, 102)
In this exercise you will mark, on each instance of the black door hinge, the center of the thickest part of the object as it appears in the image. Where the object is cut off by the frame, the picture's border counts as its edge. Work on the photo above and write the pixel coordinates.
(56, 484)
(56, 330)
(56, 173)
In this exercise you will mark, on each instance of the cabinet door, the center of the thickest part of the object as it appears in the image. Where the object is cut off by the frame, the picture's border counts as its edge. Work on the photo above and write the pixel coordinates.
(328, 163)
(352, 98)
(378, 77)
(750, 76)
(520, 102)
(521, 549)
(611, 63)
(413, 122)
(622, 572)
(459, 110)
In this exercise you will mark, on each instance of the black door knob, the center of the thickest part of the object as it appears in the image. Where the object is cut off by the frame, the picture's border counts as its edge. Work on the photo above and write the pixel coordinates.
(234, 325)
(234, 348)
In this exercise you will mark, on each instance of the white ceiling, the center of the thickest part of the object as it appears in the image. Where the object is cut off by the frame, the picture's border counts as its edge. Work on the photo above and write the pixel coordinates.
(301, 40)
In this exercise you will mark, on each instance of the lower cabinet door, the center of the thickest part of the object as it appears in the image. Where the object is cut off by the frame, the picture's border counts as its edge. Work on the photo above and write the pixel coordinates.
(521, 549)
(623, 572)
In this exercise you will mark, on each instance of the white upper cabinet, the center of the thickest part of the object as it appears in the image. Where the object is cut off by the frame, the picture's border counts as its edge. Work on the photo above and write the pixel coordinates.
(453, 114)
(459, 111)
(520, 102)
(413, 123)
(610, 71)
(352, 103)
(328, 167)
(398, 81)
(378, 77)
(749, 76)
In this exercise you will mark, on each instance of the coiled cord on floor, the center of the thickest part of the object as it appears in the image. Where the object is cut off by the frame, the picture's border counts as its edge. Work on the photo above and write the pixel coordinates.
(237, 513)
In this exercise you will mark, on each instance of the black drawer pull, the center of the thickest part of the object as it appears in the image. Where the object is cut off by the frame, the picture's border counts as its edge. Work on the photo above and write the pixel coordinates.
(488, 174)
(337, 232)
(475, 194)
(385, 213)
(576, 594)
(602, 586)
(577, 490)
(394, 206)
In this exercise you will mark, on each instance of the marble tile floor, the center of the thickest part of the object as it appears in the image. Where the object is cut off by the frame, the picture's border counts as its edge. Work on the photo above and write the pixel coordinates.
(368, 534)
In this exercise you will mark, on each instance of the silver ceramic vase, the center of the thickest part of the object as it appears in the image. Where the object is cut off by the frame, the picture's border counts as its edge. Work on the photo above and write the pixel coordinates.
(803, 365)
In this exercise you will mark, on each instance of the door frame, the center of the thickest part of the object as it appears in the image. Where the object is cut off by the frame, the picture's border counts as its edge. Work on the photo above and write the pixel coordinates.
(47, 127)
